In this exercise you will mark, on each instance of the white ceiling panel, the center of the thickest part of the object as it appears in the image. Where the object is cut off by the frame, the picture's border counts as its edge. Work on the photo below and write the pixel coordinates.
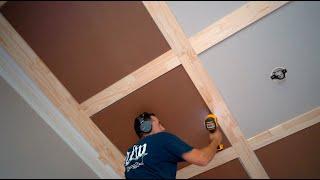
(241, 65)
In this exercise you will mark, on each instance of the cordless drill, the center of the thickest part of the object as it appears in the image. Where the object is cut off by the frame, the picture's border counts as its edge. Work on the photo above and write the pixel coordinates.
(211, 124)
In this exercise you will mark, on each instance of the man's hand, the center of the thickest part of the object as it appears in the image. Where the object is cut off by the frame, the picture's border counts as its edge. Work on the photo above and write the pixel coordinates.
(216, 136)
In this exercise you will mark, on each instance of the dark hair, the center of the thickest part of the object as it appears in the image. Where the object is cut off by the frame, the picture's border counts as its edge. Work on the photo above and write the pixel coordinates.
(146, 116)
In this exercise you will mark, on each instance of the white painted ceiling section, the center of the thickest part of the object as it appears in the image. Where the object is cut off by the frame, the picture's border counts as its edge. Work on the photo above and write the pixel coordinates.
(29, 147)
(241, 65)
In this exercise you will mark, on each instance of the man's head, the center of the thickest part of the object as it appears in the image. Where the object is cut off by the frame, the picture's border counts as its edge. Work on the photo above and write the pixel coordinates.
(146, 124)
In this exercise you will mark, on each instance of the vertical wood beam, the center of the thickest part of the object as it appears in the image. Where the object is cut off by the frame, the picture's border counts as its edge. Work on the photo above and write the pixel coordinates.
(179, 43)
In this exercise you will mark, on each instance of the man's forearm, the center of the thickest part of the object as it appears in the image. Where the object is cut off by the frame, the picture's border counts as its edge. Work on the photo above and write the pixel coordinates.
(209, 151)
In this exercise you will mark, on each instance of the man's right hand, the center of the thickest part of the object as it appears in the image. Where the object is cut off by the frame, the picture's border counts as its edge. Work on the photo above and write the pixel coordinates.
(216, 136)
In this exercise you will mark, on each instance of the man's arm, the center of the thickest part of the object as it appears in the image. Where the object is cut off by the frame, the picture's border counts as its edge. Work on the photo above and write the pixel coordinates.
(202, 157)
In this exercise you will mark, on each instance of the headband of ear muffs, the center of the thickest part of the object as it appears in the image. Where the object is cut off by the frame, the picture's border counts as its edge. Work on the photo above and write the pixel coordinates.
(145, 123)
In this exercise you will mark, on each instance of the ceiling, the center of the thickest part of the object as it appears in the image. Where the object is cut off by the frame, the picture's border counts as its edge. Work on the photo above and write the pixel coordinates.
(88, 52)
(241, 65)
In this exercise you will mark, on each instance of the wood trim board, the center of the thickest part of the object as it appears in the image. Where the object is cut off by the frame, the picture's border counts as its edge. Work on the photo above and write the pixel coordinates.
(130, 83)
(26, 88)
(285, 129)
(210, 36)
(182, 48)
(186, 55)
(233, 23)
(265, 138)
(34, 68)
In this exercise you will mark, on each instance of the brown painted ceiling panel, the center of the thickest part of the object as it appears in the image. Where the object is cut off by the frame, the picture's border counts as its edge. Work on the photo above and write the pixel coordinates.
(229, 170)
(175, 101)
(88, 45)
(296, 156)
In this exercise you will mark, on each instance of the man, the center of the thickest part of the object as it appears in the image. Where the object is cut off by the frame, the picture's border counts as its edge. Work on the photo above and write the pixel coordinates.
(156, 154)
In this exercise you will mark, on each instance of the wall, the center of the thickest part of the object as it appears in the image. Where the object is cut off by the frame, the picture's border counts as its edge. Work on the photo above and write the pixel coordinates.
(29, 147)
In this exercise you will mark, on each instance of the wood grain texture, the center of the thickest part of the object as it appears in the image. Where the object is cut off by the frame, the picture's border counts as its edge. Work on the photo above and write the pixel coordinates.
(285, 129)
(34, 68)
(210, 36)
(293, 157)
(200, 42)
(27, 89)
(179, 43)
(265, 138)
(233, 23)
(220, 158)
(130, 83)
(102, 42)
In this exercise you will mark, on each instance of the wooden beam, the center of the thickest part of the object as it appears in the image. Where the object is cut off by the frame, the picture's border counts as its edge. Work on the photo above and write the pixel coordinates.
(181, 46)
(26, 88)
(34, 68)
(210, 36)
(221, 157)
(285, 129)
(131, 82)
(265, 138)
(233, 23)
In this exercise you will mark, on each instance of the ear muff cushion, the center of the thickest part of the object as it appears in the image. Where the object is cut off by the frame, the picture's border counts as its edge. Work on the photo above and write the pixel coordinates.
(146, 126)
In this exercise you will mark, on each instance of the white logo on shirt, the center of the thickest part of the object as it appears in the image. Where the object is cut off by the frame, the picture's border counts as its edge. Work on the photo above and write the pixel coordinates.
(138, 152)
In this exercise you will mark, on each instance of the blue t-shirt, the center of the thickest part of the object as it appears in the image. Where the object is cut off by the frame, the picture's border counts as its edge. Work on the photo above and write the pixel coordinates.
(155, 157)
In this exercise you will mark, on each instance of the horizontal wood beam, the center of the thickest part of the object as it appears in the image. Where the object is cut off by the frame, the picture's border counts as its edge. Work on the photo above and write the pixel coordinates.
(130, 83)
(39, 73)
(182, 48)
(233, 23)
(285, 129)
(220, 158)
(265, 138)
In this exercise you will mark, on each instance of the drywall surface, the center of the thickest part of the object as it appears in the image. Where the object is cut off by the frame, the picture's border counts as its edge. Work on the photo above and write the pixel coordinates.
(29, 147)
(194, 16)
(88, 45)
(298, 153)
(241, 65)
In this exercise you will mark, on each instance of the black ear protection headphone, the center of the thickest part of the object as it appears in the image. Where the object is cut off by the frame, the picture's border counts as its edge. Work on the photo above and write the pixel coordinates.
(145, 122)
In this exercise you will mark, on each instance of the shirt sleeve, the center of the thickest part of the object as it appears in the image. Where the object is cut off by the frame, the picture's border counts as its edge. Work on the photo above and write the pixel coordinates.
(176, 147)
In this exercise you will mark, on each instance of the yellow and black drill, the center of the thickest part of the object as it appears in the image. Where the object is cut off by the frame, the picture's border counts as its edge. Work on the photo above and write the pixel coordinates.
(211, 124)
